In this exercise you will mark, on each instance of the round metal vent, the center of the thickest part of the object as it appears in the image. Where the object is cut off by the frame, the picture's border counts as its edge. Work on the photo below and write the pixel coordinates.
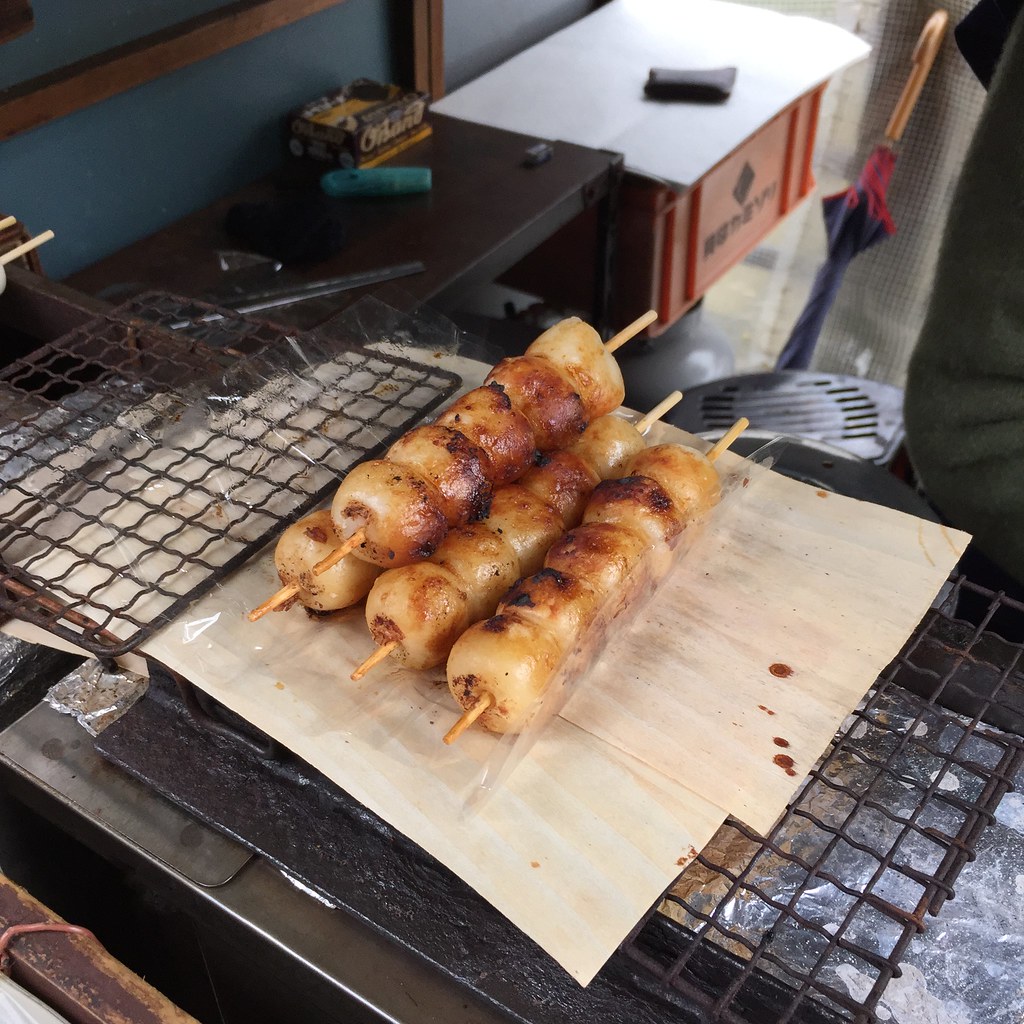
(860, 416)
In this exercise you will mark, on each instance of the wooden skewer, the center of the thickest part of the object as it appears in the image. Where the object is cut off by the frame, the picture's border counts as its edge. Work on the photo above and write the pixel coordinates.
(631, 331)
(727, 438)
(339, 553)
(7, 222)
(486, 699)
(658, 411)
(378, 656)
(275, 601)
(25, 247)
(468, 717)
(287, 592)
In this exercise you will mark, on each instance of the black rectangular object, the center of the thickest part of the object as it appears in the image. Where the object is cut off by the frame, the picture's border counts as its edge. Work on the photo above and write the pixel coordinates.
(698, 85)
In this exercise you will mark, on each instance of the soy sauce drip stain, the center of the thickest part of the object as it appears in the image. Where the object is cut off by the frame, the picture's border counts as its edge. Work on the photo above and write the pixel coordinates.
(684, 860)
(780, 670)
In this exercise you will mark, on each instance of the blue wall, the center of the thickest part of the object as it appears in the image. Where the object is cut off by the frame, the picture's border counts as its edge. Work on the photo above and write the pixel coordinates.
(477, 40)
(124, 168)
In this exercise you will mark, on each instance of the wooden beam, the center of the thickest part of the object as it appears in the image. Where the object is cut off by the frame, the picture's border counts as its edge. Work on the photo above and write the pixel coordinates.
(15, 19)
(428, 46)
(74, 973)
(43, 309)
(78, 85)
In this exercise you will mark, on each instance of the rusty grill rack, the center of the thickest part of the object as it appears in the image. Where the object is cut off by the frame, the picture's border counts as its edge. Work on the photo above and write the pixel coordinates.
(810, 922)
(138, 466)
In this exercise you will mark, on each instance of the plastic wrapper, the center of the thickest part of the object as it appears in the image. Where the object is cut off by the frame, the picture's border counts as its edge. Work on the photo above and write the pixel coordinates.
(122, 502)
(614, 615)
(398, 710)
(404, 713)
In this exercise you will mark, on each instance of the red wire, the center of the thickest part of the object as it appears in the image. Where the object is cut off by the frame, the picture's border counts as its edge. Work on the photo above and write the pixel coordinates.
(11, 933)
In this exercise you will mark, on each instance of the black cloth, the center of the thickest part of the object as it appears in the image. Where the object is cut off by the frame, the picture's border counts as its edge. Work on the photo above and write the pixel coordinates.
(964, 398)
(982, 35)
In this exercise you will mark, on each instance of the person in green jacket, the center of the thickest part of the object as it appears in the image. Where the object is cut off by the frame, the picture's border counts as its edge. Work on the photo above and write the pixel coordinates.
(964, 406)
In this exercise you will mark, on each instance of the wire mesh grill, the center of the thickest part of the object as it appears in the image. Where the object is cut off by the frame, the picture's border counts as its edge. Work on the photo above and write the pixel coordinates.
(810, 922)
(139, 466)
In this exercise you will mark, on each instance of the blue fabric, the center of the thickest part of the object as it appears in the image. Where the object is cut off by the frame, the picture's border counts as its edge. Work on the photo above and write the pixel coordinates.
(855, 220)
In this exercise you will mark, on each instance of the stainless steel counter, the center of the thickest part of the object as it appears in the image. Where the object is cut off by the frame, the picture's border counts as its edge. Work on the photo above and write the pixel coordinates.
(341, 969)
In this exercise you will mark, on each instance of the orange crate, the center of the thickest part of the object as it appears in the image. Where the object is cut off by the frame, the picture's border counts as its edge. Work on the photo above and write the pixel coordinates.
(673, 245)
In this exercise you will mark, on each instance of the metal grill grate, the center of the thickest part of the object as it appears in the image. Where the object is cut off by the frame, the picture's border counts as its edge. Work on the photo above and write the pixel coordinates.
(139, 466)
(777, 927)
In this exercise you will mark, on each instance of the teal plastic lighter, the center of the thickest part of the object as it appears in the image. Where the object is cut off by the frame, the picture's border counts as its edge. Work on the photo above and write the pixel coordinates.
(377, 181)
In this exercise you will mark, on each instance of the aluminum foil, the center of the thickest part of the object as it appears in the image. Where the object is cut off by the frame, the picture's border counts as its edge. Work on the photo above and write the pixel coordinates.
(87, 423)
(966, 966)
(96, 695)
(12, 651)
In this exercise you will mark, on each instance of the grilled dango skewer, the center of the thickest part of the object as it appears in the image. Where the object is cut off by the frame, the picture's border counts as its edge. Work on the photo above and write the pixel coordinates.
(438, 483)
(308, 542)
(526, 518)
(627, 525)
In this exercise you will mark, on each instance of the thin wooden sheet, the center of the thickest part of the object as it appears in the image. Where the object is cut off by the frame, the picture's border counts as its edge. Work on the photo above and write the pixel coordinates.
(573, 849)
(766, 636)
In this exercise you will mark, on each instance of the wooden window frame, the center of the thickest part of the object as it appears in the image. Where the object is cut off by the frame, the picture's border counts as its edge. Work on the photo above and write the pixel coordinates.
(78, 85)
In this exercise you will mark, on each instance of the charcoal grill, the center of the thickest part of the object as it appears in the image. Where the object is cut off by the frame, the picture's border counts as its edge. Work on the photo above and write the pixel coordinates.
(140, 465)
(741, 936)
(750, 933)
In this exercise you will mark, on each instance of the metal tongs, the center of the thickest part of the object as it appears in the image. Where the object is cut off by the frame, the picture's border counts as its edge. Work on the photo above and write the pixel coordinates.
(286, 295)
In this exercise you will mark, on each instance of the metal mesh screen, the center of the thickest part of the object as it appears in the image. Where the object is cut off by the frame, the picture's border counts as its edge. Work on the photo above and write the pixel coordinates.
(874, 322)
(140, 466)
(776, 927)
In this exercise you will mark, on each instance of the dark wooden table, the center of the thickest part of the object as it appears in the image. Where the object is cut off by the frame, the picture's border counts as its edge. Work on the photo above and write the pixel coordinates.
(485, 212)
